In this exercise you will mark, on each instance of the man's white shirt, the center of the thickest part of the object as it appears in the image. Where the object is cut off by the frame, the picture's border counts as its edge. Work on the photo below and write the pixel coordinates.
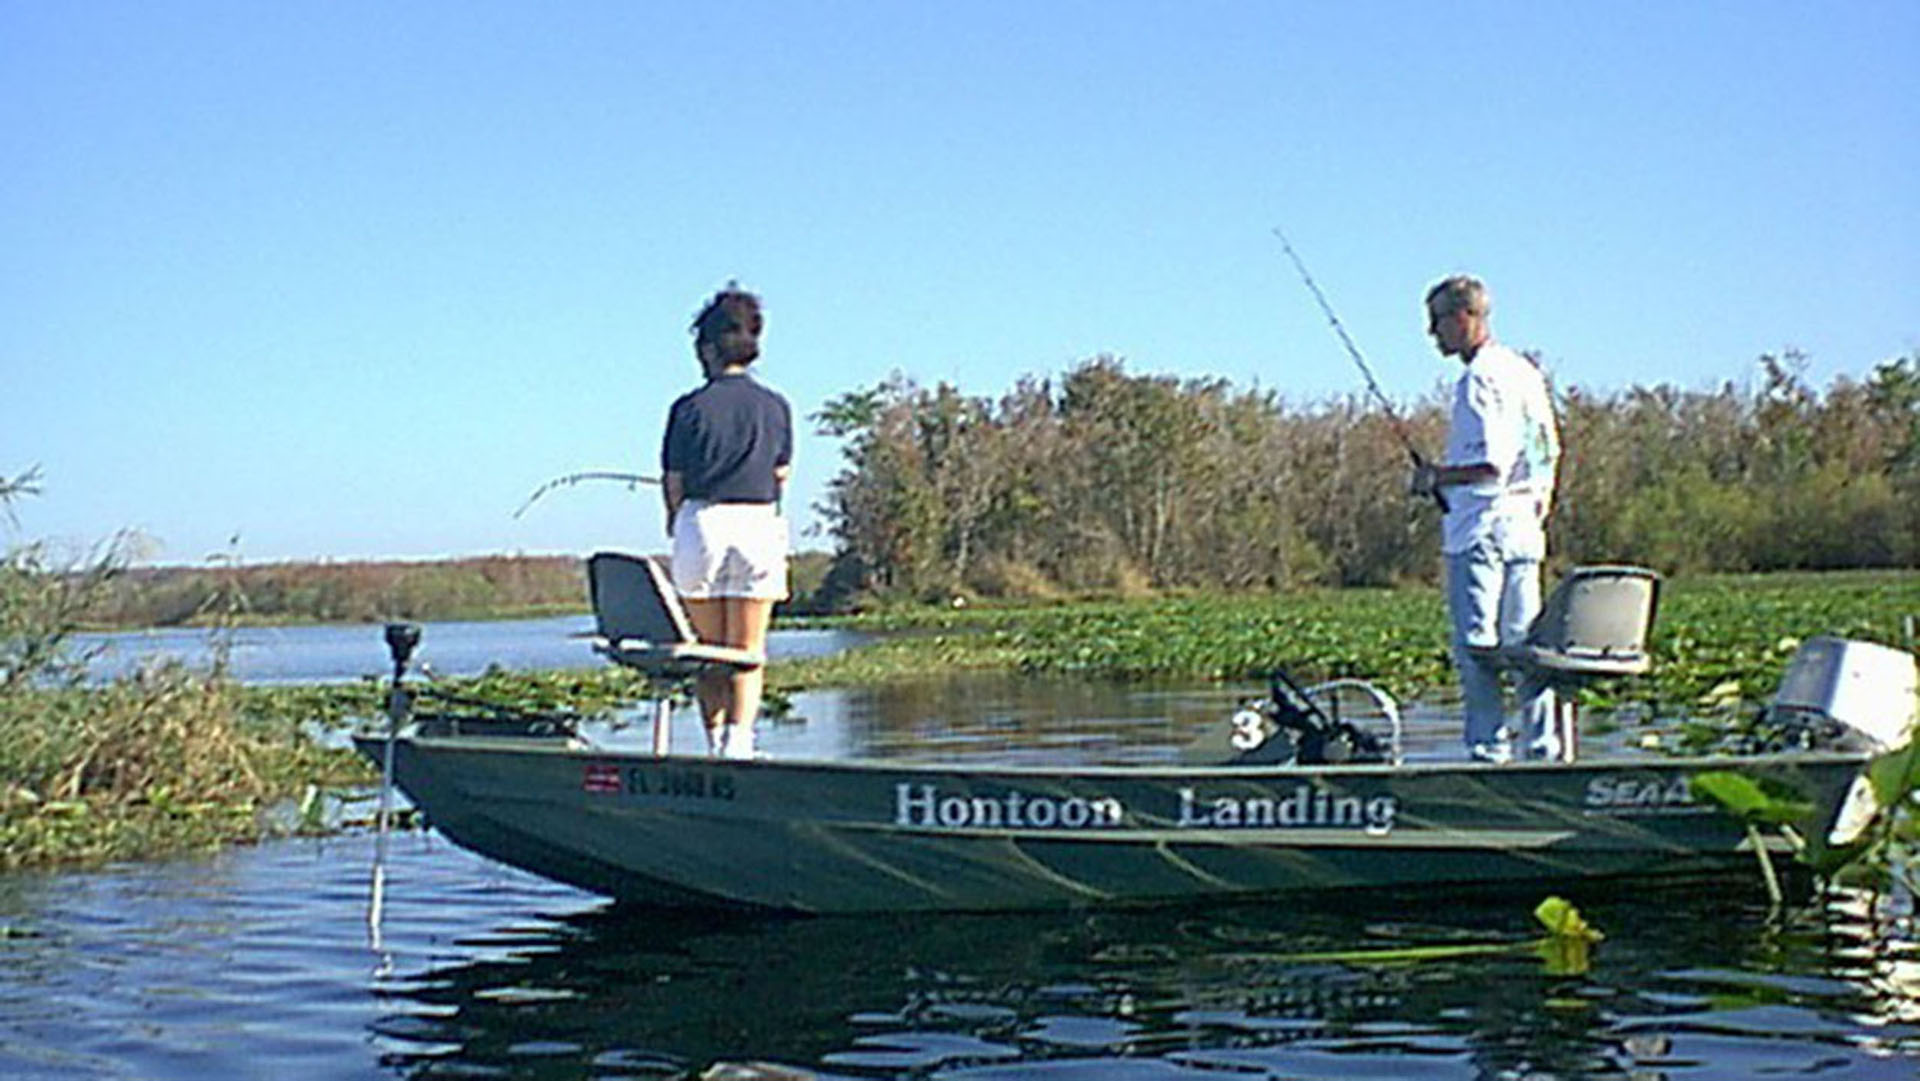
(1502, 416)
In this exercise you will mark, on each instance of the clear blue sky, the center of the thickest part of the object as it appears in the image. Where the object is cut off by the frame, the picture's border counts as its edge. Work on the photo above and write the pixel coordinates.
(351, 279)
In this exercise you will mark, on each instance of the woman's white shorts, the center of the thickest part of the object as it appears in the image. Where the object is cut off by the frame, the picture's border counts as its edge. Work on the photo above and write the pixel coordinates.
(730, 550)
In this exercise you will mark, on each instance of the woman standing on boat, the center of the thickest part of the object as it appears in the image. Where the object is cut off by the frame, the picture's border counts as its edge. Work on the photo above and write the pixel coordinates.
(1497, 483)
(726, 457)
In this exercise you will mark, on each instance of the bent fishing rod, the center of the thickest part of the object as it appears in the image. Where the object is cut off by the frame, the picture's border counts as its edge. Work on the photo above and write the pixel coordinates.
(1399, 426)
(631, 480)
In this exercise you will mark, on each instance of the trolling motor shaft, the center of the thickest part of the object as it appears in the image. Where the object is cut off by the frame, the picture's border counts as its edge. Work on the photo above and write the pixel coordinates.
(402, 639)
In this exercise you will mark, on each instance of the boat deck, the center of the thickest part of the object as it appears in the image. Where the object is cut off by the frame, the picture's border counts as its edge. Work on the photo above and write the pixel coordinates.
(1150, 728)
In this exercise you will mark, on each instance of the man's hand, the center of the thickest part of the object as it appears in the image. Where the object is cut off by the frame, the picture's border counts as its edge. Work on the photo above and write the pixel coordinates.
(1425, 481)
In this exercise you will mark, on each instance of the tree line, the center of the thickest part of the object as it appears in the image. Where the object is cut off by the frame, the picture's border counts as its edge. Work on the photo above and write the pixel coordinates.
(109, 591)
(344, 592)
(1104, 481)
(1108, 481)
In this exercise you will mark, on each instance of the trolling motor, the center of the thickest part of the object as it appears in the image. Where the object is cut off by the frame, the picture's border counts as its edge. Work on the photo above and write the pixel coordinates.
(1289, 727)
(402, 638)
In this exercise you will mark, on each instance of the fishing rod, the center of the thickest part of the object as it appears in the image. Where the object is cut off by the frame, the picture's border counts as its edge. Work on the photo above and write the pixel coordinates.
(1393, 416)
(631, 480)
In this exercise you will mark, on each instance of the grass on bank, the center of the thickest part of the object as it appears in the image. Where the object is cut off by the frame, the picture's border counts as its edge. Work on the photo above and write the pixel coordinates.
(164, 762)
(174, 760)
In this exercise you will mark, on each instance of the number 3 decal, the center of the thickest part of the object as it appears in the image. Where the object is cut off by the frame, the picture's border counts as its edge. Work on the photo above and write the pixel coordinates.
(1249, 730)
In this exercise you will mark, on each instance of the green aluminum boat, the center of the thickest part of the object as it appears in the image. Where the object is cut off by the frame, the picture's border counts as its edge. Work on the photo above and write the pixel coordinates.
(654, 828)
(862, 837)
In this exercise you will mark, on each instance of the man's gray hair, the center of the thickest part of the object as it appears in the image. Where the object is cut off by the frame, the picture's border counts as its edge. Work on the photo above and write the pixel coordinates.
(1462, 292)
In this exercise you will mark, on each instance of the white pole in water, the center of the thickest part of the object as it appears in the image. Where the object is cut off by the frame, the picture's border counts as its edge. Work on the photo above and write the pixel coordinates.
(401, 638)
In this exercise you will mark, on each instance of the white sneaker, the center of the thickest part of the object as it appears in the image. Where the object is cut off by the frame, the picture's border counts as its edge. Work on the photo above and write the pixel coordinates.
(1497, 753)
(736, 741)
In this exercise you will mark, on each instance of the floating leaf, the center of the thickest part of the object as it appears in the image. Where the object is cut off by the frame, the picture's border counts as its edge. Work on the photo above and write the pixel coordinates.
(1562, 920)
(1722, 693)
(1565, 956)
(1736, 792)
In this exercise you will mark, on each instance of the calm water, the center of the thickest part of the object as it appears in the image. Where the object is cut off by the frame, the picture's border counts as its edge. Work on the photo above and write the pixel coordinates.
(258, 963)
(304, 654)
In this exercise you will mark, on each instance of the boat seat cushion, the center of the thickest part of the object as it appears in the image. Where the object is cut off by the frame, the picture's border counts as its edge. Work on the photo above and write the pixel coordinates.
(642, 624)
(1572, 664)
(1594, 626)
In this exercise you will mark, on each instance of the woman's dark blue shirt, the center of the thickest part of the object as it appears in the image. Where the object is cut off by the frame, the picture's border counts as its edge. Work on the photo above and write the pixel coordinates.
(727, 438)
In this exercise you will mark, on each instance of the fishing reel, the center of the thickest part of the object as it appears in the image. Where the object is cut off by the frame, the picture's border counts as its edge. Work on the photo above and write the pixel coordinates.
(1289, 727)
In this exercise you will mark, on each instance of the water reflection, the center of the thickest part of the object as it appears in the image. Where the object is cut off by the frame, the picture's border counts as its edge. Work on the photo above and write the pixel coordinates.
(255, 963)
(1160, 994)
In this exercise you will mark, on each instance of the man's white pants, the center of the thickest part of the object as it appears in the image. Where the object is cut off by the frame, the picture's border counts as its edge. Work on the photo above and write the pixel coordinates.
(1492, 600)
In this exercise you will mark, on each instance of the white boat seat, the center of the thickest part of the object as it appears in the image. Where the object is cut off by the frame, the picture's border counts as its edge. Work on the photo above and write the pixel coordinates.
(1594, 626)
(643, 625)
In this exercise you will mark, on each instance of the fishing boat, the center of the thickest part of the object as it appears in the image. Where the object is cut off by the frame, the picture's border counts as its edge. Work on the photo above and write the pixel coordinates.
(1300, 799)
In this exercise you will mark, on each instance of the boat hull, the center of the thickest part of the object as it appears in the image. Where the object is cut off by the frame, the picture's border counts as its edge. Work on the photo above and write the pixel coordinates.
(897, 836)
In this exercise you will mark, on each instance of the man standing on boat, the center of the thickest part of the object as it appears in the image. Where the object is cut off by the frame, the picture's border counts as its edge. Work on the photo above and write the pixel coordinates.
(1495, 482)
(726, 456)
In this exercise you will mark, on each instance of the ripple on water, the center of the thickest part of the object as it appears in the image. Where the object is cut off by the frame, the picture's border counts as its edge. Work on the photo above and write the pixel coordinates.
(917, 1051)
(1081, 1033)
(258, 963)
(1084, 1069)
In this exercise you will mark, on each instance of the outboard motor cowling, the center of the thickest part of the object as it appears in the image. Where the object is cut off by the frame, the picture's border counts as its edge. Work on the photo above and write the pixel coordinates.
(1839, 693)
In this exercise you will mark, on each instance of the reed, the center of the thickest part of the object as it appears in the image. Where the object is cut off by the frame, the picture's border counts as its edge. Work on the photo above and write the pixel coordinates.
(165, 761)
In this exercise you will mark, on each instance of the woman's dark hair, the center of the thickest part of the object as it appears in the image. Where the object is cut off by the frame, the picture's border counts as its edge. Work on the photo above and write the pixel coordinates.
(731, 323)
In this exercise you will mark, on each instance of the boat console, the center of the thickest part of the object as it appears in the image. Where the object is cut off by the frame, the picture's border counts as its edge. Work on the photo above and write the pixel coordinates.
(1315, 726)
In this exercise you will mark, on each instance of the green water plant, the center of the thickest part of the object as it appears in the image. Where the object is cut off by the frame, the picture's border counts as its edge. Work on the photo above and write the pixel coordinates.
(1880, 844)
(1563, 949)
(163, 760)
(1759, 805)
(1720, 645)
(166, 760)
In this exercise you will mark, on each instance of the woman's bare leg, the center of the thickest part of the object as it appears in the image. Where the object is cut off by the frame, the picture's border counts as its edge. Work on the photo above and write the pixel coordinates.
(713, 689)
(747, 620)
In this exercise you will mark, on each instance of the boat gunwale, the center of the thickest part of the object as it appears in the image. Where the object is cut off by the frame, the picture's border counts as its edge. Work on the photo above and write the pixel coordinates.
(570, 748)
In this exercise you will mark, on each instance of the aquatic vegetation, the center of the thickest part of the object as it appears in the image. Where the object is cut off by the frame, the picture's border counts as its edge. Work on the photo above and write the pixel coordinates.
(1563, 949)
(1757, 806)
(165, 761)
(1720, 643)
(1874, 841)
